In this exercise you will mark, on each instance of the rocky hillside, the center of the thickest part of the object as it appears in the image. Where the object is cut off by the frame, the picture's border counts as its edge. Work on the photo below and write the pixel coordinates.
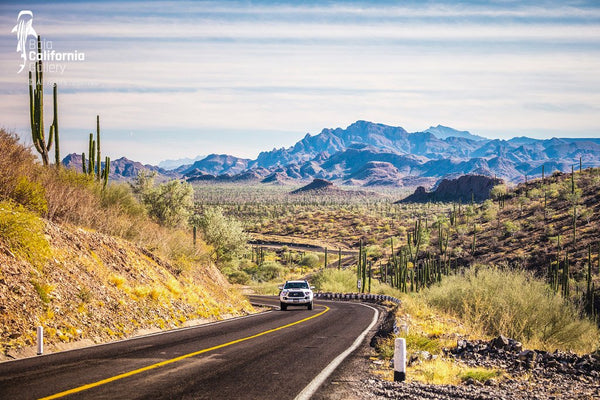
(463, 190)
(87, 263)
(318, 185)
(98, 288)
(122, 169)
(535, 224)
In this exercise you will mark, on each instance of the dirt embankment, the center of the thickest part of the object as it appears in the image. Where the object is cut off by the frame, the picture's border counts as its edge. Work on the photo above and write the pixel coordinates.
(96, 288)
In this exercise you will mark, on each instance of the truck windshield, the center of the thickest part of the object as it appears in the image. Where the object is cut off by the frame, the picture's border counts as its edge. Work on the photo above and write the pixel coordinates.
(296, 285)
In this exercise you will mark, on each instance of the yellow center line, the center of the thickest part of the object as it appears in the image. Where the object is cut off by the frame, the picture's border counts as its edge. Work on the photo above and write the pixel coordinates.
(174, 360)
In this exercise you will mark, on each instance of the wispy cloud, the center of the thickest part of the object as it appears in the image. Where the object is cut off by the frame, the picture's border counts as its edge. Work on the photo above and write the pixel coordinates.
(208, 71)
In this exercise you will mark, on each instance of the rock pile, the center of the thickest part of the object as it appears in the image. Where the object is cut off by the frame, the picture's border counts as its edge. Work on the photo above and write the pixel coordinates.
(531, 375)
(509, 355)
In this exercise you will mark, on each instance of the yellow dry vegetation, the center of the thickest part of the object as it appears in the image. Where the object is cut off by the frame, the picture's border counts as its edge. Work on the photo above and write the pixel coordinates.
(103, 288)
(86, 262)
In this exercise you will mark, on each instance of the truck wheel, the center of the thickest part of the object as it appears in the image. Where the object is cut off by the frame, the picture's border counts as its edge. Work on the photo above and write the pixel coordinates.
(283, 306)
(310, 305)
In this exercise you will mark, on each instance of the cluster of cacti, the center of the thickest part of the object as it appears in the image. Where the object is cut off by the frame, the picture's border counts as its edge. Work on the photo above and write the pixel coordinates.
(258, 255)
(414, 241)
(36, 113)
(94, 165)
(399, 272)
(443, 239)
(361, 268)
(558, 272)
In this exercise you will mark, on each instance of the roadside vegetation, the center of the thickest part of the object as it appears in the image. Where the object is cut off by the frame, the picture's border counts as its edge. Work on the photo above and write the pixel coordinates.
(524, 264)
(94, 262)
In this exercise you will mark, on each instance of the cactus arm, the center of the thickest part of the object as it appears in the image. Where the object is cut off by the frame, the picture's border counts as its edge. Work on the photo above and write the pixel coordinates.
(106, 171)
(83, 163)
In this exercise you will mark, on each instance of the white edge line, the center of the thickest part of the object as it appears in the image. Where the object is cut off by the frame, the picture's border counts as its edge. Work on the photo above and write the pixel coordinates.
(314, 385)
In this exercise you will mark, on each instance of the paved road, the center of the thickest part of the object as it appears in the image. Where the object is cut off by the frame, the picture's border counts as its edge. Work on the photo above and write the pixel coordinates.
(274, 355)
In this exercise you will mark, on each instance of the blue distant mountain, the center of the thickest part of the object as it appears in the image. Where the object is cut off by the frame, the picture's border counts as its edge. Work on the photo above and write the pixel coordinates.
(444, 132)
(367, 154)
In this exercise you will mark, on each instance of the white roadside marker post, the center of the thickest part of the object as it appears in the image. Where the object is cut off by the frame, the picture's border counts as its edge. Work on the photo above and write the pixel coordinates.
(40, 340)
(400, 360)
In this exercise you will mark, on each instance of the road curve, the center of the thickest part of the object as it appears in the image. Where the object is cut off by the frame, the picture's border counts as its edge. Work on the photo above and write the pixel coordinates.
(273, 355)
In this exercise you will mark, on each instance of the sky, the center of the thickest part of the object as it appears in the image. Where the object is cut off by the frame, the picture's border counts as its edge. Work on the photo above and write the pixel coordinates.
(179, 79)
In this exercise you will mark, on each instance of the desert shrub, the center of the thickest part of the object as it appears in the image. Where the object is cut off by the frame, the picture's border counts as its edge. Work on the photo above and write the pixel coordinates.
(239, 277)
(334, 280)
(23, 232)
(515, 304)
(310, 260)
(15, 162)
(169, 203)
(31, 195)
(72, 197)
(510, 228)
(120, 197)
(374, 251)
(224, 234)
(498, 191)
(268, 271)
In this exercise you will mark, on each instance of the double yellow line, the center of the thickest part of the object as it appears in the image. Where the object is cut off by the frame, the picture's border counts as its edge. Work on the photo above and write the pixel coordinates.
(174, 360)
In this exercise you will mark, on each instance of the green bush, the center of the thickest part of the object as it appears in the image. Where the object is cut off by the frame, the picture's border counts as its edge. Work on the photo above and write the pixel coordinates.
(43, 290)
(310, 260)
(334, 280)
(239, 277)
(169, 203)
(31, 195)
(224, 234)
(515, 304)
(23, 232)
(480, 374)
(268, 271)
(120, 197)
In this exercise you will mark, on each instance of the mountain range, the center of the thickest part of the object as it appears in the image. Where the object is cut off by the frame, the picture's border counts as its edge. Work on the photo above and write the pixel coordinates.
(372, 154)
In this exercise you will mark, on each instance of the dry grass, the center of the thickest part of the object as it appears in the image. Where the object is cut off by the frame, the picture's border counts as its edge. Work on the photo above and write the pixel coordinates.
(64, 260)
(67, 196)
(431, 330)
(514, 303)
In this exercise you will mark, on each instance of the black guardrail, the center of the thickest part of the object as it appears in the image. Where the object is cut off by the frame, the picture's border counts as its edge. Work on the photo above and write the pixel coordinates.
(368, 297)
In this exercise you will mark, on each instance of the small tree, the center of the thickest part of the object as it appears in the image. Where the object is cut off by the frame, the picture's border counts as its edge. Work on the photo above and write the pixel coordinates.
(169, 203)
(224, 234)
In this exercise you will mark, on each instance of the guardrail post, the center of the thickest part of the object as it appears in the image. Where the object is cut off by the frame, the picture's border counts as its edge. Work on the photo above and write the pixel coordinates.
(40, 340)
(400, 360)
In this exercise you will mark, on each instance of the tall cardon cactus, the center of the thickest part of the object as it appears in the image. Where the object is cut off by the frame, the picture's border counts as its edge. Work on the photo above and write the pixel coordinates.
(94, 166)
(36, 113)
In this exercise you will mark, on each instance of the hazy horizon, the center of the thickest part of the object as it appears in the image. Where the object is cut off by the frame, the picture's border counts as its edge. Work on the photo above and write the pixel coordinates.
(175, 80)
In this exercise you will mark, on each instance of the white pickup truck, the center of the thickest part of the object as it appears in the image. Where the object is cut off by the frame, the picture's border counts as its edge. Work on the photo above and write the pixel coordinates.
(296, 293)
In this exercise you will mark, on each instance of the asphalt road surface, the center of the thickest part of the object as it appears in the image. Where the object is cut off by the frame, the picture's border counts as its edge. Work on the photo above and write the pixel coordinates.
(273, 355)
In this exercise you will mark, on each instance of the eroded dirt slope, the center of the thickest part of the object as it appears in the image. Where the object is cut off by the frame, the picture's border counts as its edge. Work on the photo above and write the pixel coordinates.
(96, 288)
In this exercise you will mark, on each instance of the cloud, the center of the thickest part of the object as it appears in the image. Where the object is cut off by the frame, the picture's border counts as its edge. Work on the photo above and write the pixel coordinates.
(209, 70)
